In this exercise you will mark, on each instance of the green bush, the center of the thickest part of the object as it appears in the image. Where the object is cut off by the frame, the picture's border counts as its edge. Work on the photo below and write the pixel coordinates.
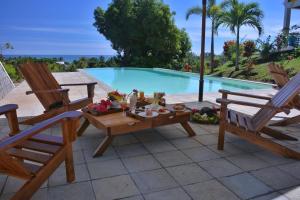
(12, 72)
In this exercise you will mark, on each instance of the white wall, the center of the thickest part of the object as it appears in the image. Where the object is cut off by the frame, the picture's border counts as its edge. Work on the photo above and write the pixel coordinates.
(6, 85)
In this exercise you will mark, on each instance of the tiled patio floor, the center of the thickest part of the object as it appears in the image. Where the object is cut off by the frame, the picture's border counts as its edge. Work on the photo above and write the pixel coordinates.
(164, 164)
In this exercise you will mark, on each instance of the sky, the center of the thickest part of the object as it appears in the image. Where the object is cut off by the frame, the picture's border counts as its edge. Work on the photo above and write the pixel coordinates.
(65, 27)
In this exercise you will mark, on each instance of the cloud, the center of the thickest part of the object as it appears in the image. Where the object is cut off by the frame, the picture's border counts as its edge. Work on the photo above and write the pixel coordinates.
(53, 29)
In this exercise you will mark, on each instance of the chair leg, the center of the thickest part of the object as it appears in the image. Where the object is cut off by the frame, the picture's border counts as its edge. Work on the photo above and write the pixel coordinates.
(69, 164)
(288, 121)
(221, 136)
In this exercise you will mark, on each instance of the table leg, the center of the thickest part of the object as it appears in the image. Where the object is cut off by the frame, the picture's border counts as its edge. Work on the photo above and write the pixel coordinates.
(188, 129)
(103, 146)
(83, 127)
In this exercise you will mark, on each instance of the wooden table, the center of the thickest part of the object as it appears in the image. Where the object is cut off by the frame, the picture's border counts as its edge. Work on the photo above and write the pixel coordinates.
(116, 124)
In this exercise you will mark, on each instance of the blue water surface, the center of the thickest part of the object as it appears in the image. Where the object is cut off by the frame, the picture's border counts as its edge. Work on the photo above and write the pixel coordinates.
(152, 80)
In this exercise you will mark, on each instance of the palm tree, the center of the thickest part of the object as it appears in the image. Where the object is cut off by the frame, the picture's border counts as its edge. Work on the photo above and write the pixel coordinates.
(236, 14)
(213, 12)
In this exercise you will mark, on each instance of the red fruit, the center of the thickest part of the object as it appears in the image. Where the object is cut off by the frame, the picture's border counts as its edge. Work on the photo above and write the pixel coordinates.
(108, 103)
(195, 110)
(101, 108)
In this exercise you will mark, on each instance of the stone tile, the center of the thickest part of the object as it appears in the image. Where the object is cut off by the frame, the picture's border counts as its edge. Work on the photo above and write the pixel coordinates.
(248, 162)
(207, 139)
(199, 130)
(152, 181)
(59, 176)
(14, 184)
(89, 143)
(114, 188)
(171, 132)
(149, 135)
(159, 146)
(124, 140)
(245, 185)
(141, 163)
(188, 174)
(2, 181)
(275, 178)
(172, 158)
(41, 194)
(106, 169)
(72, 192)
(229, 150)
(209, 190)
(139, 197)
(272, 196)
(185, 143)
(131, 150)
(247, 146)
(172, 194)
(220, 167)
(273, 159)
(109, 154)
(293, 169)
(292, 193)
(200, 154)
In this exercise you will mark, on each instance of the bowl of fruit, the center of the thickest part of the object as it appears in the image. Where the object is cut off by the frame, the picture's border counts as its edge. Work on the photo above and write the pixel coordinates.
(115, 97)
(102, 108)
(206, 115)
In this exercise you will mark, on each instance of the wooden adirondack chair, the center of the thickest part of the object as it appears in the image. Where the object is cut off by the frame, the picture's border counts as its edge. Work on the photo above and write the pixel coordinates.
(281, 77)
(253, 128)
(32, 156)
(54, 99)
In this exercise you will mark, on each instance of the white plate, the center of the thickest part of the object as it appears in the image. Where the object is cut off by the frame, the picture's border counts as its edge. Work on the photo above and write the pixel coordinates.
(143, 114)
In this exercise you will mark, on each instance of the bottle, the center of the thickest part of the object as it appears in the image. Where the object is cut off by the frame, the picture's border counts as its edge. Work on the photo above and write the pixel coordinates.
(133, 100)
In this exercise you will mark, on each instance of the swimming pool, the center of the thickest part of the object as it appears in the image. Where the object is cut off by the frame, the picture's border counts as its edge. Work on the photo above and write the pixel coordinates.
(152, 80)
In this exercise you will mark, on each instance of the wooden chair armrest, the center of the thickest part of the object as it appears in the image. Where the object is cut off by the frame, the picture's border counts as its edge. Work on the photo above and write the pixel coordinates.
(48, 91)
(26, 134)
(244, 95)
(78, 84)
(244, 103)
(8, 108)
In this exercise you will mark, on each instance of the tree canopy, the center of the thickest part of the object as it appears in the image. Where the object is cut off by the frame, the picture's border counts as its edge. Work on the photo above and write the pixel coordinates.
(143, 32)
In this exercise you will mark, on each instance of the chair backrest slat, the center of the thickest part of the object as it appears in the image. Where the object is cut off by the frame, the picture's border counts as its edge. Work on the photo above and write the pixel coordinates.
(279, 75)
(39, 77)
(283, 98)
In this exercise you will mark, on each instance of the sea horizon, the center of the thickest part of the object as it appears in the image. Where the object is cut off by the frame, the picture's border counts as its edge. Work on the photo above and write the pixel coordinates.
(66, 58)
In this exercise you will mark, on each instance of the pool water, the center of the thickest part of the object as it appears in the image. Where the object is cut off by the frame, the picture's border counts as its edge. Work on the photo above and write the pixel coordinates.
(152, 80)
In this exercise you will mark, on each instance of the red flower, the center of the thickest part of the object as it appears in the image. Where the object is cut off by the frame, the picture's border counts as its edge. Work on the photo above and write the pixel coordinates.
(195, 111)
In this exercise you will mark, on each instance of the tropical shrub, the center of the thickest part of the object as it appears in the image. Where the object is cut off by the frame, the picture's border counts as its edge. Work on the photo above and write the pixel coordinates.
(265, 47)
(228, 48)
(281, 41)
(249, 48)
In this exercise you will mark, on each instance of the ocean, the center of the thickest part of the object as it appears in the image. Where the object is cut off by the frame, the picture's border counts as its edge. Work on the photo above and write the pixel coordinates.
(66, 58)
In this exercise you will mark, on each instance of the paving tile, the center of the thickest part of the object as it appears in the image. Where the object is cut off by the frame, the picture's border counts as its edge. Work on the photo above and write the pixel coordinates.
(131, 150)
(247, 146)
(248, 162)
(172, 194)
(2, 181)
(124, 140)
(245, 185)
(171, 133)
(106, 168)
(185, 143)
(109, 154)
(149, 135)
(275, 178)
(292, 193)
(152, 181)
(188, 174)
(272, 196)
(14, 184)
(199, 130)
(209, 190)
(207, 139)
(89, 143)
(200, 154)
(139, 197)
(172, 158)
(293, 169)
(229, 150)
(272, 158)
(114, 188)
(59, 176)
(220, 167)
(159, 146)
(72, 192)
(141, 163)
(41, 194)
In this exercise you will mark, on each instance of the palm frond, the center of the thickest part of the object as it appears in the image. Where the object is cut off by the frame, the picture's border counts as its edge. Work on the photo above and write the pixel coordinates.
(193, 11)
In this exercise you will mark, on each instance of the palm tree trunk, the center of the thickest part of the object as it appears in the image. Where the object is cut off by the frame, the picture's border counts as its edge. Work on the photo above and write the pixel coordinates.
(237, 49)
(212, 47)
